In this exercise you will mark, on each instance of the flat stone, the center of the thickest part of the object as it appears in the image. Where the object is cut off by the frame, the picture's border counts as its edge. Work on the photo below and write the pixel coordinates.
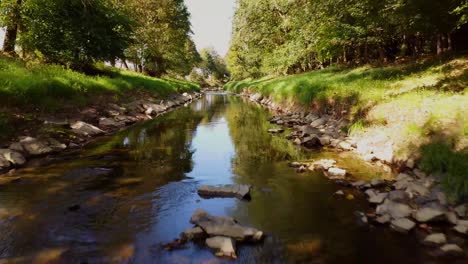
(417, 188)
(403, 225)
(376, 182)
(110, 122)
(240, 191)
(318, 122)
(435, 239)
(398, 196)
(85, 129)
(451, 249)
(452, 218)
(339, 193)
(462, 229)
(224, 245)
(193, 233)
(308, 130)
(394, 209)
(224, 226)
(12, 156)
(336, 173)
(427, 214)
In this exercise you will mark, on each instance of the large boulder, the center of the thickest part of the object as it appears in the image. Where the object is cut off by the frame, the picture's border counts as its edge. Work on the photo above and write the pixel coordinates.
(224, 226)
(240, 191)
(85, 129)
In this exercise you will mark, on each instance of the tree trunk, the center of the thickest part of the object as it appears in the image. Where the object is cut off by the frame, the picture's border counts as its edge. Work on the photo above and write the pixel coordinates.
(124, 63)
(449, 42)
(382, 54)
(440, 48)
(12, 30)
(366, 52)
(345, 60)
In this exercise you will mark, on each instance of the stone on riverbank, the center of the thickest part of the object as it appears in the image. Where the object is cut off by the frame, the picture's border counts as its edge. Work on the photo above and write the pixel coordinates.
(193, 234)
(224, 245)
(398, 196)
(85, 129)
(275, 130)
(322, 165)
(451, 249)
(394, 209)
(336, 173)
(241, 191)
(224, 226)
(403, 225)
(12, 156)
(34, 146)
(435, 239)
(428, 214)
(378, 198)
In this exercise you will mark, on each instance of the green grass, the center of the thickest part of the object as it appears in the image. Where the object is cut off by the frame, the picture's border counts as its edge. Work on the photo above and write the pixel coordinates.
(413, 104)
(50, 87)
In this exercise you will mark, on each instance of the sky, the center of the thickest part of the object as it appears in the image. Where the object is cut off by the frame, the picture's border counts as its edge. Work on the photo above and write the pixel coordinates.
(212, 23)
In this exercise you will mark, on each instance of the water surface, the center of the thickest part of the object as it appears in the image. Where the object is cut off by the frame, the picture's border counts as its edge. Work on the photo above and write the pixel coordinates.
(124, 196)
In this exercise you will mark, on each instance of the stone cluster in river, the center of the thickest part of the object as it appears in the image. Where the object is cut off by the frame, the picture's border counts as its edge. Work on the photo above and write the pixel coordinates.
(412, 200)
(115, 117)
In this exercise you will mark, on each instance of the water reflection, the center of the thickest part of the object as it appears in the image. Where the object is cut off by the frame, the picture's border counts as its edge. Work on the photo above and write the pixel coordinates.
(125, 195)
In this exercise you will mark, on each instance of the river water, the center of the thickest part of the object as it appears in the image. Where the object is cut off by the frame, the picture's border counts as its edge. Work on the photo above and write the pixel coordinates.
(124, 196)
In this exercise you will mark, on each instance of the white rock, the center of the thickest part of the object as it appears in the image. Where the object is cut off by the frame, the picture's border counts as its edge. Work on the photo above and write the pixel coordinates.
(437, 239)
(460, 210)
(378, 199)
(336, 173)
(85, 129)
(383, 219)
(451, 249)
(428, 214)
(461, 229)
(12, 156)
(394, 209)
(403, 225)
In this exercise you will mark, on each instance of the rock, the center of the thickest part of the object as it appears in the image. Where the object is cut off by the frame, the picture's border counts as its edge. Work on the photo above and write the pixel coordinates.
(224, 245)
(462, 229)
(325, 140)
(404, 177)
(309, 130)
(12, 156)
(339, 193)
(295, 164)
(336, 173)
(85, 129)
(403, 225)
(361, 218)
(384, 219)
(416, 188)
(110, 122)
(4, 163)
(55, 145)
(224, 226)
(312, 141)
(451, 249)
(460, 210)
(322, 165)
(378, 198)
(435, 239)
(297, 141)
(311, 117)
(410, 163)
(318, 122)
(34, 146)
(17, 147)
(398, 196)
(394, 209)
(256, 97)
(419, 173)
(360, 184)
(428, 214)
(345, 145)
(275, 130)
(452, 218)
(376, 182)
(193, 233)
(240, 191)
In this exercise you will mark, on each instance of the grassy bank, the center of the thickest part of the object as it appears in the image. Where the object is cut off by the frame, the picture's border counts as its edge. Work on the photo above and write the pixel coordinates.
(50, 87)
(28, 90)
(421, 106)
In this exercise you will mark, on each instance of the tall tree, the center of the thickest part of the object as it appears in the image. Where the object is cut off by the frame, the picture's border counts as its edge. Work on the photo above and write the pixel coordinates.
(10, 14)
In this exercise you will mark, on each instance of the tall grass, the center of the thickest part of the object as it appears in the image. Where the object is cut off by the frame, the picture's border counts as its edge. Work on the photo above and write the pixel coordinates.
(49, 87)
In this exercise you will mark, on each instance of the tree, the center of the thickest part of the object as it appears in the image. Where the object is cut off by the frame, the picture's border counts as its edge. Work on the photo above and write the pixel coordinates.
(10, 14)
(75, 33)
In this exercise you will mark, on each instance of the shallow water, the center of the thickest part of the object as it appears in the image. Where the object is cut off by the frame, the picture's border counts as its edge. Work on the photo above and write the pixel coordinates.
(124, 196)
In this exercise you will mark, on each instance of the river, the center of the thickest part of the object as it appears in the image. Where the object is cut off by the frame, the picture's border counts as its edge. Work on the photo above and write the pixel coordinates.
(125, 195)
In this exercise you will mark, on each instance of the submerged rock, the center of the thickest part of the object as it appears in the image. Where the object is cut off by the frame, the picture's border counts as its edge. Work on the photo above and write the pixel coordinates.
(224, 226)
(240, 191)
(193, 234)
(403, 225)
(224, 245)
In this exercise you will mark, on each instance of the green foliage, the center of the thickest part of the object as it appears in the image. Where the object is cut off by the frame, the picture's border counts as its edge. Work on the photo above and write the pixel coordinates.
(75, 33)
(285, 37)
(211, 69)
(51, 87)
(440, 157)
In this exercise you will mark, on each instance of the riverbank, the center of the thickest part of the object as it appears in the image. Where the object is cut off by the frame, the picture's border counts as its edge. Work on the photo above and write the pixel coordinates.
(402, 117)
(46, 109)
